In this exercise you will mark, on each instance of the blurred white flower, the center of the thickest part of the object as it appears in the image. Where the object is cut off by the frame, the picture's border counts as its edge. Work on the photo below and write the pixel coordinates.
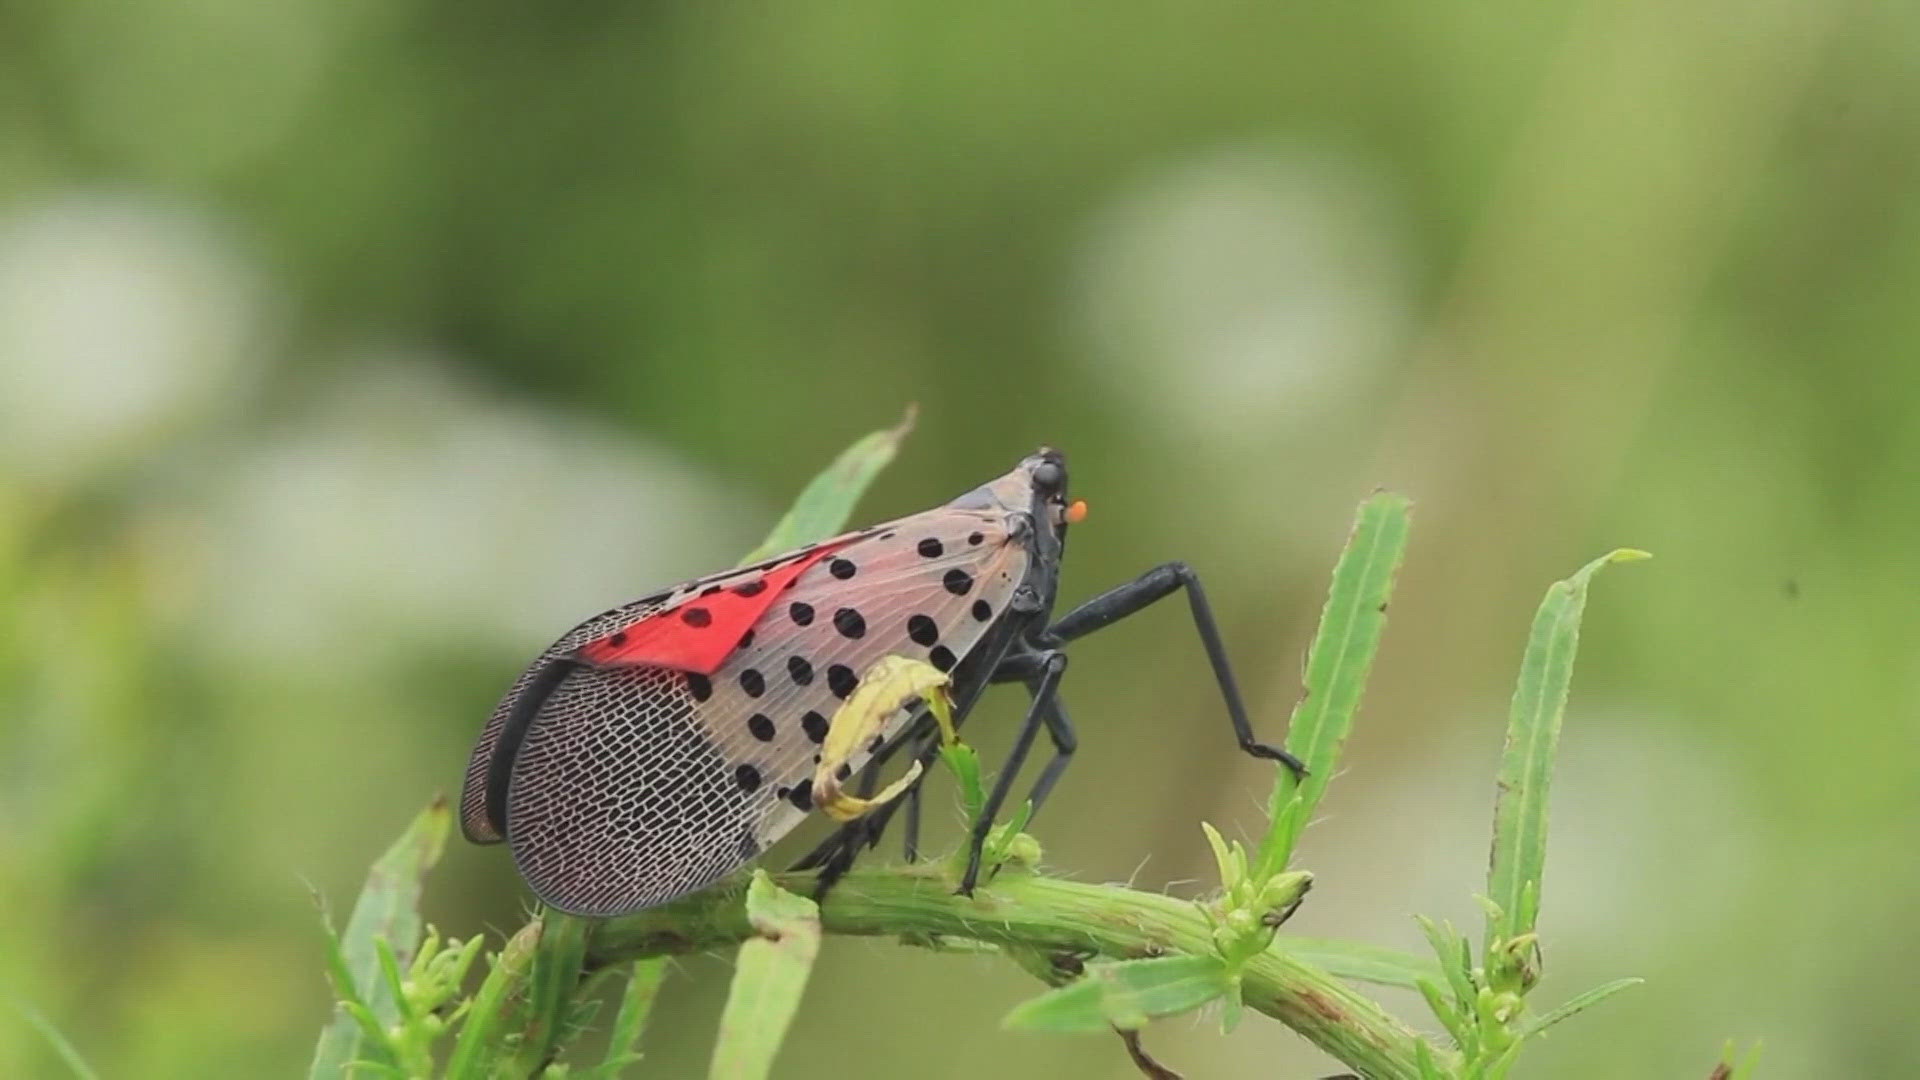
(1244, 290)
(120, 319)
(406, 506)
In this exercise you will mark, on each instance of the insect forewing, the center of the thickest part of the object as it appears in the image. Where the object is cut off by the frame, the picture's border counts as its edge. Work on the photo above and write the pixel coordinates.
(636, 783)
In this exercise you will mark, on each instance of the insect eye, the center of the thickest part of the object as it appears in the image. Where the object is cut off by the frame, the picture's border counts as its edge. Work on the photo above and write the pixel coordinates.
(1048, 476)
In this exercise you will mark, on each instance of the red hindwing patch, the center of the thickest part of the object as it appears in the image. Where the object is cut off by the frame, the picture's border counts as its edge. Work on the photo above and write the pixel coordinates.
(698, 634)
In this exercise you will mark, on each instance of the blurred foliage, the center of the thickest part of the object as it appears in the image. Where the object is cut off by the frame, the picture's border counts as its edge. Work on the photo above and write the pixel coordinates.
(349, 351)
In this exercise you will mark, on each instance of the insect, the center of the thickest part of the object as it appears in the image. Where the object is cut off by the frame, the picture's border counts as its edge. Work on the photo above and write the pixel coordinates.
(661, 745)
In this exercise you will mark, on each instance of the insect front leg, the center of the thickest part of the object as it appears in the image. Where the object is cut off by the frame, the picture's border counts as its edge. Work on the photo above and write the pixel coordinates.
(1027, 667)
(1124, 600)
(1065, 742)
(1045, 687)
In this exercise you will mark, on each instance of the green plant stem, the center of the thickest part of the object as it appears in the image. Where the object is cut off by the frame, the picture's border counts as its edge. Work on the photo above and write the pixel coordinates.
(484, 1032)
(553, 985)
(1046, 914)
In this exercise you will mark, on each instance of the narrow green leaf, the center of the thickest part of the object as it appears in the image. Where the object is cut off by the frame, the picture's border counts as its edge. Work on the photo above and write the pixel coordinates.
(1124, 995)
(387, 910)
(1574, 1004)
(1455, 963)
(376, 1036)
(1337, 663)
(964, 763)
(1526, 765)
(69, 1056)
(1000, 842)
(390, 975)
(1361, 962)
(1222, 856)
(1233, 1005)
(768, 979)
(826, 502)
(1444, 1011)
(1423, 1059)
(643, 985)
(1742, 1069)
(339, 972)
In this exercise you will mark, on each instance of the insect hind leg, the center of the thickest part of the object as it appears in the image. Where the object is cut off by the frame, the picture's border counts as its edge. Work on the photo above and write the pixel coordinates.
(1123, 600)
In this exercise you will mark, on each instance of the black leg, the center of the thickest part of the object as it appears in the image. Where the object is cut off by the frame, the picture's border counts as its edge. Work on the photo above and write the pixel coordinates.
(1118, 603)
(1044, 687)
(1028, 667)
(869, 778)
(910, 844)
(1060, 729)
(926, 748)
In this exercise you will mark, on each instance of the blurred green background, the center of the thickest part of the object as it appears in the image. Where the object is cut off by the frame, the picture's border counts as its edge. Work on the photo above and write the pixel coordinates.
(350, 351)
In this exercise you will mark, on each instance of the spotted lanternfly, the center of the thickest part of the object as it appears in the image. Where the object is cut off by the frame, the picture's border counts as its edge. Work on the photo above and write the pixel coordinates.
(659, 746)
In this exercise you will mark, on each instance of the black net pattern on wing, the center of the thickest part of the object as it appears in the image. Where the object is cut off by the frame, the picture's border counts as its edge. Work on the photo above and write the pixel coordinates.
(618, 801)
(473, 790)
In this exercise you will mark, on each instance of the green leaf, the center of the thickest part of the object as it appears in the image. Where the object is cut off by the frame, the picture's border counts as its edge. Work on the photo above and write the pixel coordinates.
(768, 979)
(825, 504)
(390, 974)
(1337, 663)
(1526, 765)
(69, 1056)
(964, 764)
(1222, 857)
(1124, 995)
(643, 985)
(1456, 962)
(1730, 1069)
(387, 910)
(1361, 962)
(1443, 1010)
(1574, 1004)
